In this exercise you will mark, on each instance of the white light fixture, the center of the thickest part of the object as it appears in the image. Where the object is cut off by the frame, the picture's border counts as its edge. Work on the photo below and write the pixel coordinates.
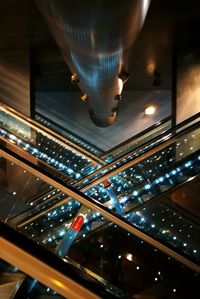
(150, 110)
(129, 257)
(120, 85)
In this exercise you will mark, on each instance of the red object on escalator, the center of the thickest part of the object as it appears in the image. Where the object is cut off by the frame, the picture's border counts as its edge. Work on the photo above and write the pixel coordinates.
(106, 184)
(78, 222)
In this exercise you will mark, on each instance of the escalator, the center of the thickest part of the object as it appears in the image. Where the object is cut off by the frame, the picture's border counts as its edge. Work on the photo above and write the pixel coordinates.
(131, 179)
(117, 253)
(135, 209)
(133, 184)
(110, 257)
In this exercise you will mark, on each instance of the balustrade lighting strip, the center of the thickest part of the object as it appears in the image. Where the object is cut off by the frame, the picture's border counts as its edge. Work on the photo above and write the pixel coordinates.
(47, 132)
(44, 273)
(90, 203)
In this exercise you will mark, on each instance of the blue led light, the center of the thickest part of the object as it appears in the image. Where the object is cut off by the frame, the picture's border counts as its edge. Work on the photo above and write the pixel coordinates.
(147, 187)
(173, 172)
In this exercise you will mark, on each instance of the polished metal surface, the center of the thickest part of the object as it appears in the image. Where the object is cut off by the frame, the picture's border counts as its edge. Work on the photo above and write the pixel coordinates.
(95, 38)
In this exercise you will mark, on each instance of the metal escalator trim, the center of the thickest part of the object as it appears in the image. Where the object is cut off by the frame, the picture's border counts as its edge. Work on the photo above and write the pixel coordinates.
(35, 160)
(125, 155)
(43, 272)
(47, 132)
(91, 203)
(22, 217)
(12, 284)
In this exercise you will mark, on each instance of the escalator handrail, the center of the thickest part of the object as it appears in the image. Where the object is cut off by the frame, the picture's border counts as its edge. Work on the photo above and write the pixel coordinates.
(165, 193)
(112, 163)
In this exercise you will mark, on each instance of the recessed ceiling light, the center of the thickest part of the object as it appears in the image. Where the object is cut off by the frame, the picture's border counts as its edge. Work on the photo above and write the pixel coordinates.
(150, 110)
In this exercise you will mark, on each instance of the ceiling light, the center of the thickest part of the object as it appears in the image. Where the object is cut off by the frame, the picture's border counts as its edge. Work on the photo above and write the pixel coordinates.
(74, 78)
(150, 110)
(84, 97)
(120, 85)
(129, 257)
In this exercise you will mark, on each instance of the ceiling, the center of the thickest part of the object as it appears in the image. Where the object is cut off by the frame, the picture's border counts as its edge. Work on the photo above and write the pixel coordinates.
(169, 25)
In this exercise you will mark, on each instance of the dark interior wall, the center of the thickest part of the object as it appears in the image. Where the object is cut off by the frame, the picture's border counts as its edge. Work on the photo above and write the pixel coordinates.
(188, 83)
(15, 80)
